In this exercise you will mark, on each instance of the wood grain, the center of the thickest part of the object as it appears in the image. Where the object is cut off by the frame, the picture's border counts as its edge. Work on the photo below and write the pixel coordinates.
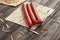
(53, 32)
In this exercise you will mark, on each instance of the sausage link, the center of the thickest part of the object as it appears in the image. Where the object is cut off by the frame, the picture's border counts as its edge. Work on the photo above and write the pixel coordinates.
(35, 12)
(31, 14)
(26, 16)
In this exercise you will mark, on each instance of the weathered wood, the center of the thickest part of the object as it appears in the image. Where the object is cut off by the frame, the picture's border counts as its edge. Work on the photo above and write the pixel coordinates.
(53, 27)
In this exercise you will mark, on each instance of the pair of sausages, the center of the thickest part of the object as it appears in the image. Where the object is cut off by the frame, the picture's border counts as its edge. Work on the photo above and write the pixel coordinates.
(30, 14)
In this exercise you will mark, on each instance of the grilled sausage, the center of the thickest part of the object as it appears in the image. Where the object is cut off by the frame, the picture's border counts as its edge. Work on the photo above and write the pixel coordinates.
(26, 16)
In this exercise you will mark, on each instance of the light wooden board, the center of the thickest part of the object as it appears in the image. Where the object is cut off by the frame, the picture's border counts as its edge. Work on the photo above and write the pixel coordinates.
(17, 15)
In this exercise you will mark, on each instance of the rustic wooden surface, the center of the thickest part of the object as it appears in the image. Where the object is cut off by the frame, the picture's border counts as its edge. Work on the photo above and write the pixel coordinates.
(52, 23)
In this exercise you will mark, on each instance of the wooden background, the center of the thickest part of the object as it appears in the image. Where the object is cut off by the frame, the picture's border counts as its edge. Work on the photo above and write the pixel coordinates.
(52, 23)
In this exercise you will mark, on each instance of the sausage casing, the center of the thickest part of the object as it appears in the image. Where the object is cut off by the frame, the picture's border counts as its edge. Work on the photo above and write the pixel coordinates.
(35, 12)
(26, 16)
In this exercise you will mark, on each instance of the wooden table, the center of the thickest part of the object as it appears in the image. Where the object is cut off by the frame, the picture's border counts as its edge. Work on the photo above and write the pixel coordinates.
(52, 23)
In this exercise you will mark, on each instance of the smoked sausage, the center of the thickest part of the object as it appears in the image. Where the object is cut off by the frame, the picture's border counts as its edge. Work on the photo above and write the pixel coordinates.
(26, 16)
(35, 12)
(30, 12)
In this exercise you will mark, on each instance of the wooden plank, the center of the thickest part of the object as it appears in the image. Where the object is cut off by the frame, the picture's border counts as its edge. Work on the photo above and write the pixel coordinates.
(51, 34)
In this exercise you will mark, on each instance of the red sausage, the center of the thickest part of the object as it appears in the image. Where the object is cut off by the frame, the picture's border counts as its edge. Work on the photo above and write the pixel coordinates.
(26, 16)
(35, 13)
(31, 14)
